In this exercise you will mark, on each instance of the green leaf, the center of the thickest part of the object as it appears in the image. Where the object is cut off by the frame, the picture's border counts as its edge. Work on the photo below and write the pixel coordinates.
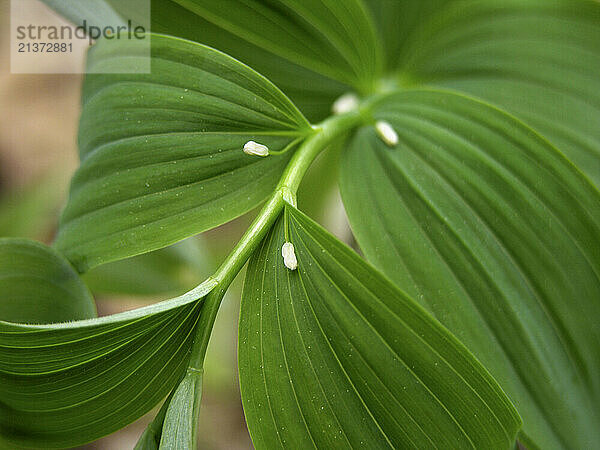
(181, 421)
(313, 50)
(162, 153)
(332, 355)
(63, 385)
(39, 286)
(294, 54)
(539, 60)
(496, 233)
(397, 21)
(326, 36)
(150, 438)
(176, 424)
(170, 270)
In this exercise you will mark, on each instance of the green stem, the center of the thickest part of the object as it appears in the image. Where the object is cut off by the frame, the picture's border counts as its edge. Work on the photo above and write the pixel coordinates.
(285, 192)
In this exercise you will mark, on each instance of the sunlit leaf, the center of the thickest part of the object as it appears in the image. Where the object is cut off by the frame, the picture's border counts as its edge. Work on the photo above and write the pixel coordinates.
(332, 355)
(496, 233)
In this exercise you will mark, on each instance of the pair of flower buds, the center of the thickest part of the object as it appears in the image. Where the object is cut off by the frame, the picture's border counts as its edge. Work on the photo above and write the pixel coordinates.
(344, 104)
(384, 130)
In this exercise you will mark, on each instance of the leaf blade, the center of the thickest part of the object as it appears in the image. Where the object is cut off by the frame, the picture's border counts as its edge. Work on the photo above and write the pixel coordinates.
(162, 153)
(39, 285)
(329, 38)
(535, 59)
(311, 379)
(67, 384)
(492, 229)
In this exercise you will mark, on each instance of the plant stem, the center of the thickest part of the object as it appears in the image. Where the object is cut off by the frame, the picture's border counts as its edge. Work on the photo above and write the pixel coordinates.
(285, 192)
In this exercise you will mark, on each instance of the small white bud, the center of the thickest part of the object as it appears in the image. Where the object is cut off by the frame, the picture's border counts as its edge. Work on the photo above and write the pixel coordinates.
(346, 103)
(289, 256)
(386, 133)
(254, 148)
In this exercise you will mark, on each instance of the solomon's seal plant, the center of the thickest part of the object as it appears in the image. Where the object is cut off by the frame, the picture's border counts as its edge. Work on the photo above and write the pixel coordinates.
(469, 172)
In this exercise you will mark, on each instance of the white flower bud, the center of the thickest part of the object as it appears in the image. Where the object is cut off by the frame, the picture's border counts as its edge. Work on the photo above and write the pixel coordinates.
(346, 103)
(386, 133)
(254, 148)
(289, 256)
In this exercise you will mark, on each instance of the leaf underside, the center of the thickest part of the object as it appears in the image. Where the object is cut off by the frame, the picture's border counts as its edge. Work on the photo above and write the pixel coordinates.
(66, 384)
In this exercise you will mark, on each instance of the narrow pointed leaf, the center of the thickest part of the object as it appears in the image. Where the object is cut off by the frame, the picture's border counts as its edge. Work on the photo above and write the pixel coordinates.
(176, 424)
(496, 233)
(181, 420)
(38, 285)
(150, 438)
(332, 355)
(162, 154)
(66, 384)
(537, 59)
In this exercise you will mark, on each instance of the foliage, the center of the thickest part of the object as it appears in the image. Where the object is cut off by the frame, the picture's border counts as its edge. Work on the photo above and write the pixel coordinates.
(470, 176)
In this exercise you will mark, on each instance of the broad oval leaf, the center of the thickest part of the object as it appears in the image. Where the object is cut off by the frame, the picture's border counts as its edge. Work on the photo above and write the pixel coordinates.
(336, 39)
(314, 51)
(39, 286)
(162, 153)
(496, 233)
(63, 385)
(332, 355)
(537, 59)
